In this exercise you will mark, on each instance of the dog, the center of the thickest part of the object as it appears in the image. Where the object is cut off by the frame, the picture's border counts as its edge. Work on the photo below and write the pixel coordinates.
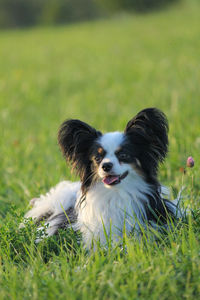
(118, 185)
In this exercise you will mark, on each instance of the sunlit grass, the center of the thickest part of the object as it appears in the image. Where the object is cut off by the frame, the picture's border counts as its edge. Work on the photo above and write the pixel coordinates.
(102, 73)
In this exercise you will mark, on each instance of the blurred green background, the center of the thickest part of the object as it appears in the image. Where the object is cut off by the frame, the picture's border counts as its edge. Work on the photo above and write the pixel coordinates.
(21, 13)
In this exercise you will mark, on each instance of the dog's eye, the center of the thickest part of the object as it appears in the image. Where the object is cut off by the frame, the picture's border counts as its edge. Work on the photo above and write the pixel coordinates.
(98, 158)
(123, 156)
(99, 155)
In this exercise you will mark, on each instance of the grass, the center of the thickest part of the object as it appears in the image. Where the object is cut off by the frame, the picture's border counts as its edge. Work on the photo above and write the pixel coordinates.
(102, 73)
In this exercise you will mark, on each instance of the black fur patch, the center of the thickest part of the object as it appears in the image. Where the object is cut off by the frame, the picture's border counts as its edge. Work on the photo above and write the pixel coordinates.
(157, 210)
(62, 220)
(147, 136)
(76, 139)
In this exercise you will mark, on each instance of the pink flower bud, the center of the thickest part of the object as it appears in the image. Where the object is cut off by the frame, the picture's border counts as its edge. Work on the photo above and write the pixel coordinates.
(190, 162)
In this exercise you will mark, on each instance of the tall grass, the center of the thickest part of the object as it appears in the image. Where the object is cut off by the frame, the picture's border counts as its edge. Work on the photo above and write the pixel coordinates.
(102, 73)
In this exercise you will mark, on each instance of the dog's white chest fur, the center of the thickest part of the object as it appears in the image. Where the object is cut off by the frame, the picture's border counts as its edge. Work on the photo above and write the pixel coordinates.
(115, 209)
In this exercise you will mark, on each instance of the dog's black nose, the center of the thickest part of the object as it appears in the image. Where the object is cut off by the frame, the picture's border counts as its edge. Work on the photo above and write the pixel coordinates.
(107, 167)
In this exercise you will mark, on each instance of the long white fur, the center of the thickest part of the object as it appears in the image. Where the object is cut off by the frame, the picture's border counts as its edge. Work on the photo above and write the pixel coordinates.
(58, 199)
(112, 209)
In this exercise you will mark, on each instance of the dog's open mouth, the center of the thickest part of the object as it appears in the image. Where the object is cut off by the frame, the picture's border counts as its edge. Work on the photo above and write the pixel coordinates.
(114, 179)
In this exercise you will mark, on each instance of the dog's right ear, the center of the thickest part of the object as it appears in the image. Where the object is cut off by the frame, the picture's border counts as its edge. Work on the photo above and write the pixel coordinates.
(75, 139)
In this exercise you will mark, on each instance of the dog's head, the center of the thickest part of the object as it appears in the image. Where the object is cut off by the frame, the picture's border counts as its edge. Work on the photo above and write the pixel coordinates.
(114, 156)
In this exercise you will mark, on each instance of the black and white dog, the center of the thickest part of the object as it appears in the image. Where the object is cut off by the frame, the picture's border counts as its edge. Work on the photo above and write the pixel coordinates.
(118, 185)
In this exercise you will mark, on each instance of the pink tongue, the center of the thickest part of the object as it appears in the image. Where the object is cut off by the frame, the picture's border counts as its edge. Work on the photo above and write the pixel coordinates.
(110, 179)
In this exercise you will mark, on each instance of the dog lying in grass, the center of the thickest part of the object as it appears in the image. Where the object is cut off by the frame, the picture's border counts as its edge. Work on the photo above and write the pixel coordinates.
(118, 187)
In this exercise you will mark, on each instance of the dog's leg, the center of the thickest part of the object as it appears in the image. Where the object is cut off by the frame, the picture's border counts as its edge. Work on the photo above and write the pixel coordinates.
(62, 220)
(56, 202)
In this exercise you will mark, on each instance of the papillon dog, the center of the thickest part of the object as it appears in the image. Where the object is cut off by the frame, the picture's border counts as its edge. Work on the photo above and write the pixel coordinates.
(118, 188)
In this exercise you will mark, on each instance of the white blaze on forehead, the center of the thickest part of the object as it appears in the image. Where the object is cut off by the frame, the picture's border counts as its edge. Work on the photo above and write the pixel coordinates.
(111, 141)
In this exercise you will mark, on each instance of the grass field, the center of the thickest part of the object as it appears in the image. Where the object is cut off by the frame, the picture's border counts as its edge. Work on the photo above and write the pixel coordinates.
(102, 73)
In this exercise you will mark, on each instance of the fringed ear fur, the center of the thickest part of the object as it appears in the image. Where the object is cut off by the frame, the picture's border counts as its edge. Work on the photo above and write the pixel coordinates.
(149, 130)
(75, 139)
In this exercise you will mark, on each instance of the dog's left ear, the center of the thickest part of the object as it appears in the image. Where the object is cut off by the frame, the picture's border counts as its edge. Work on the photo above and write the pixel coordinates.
(149, 129)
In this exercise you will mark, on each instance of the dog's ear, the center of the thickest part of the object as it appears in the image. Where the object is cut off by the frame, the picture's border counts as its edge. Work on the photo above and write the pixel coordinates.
(75, 139)
(149, 129)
